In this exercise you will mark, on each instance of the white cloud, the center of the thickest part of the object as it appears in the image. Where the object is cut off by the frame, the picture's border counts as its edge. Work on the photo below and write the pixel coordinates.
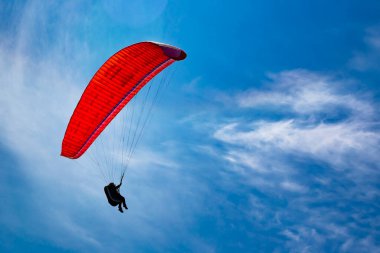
(332, 143)
(291, 235)
(305, 92)
(318, 122)
(292, 186)
(368, 59)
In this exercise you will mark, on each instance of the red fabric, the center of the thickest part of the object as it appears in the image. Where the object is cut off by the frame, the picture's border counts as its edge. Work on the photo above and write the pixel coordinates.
(111, 88)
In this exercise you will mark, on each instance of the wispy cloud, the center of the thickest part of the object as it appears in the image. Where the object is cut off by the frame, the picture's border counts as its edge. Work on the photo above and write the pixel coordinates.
(322, 133)
(318, 119)
(332, 143)
(305, 92)
(369, 59)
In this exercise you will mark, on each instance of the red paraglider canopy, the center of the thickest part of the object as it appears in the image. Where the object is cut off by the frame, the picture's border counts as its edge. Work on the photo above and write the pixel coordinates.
(116, 82)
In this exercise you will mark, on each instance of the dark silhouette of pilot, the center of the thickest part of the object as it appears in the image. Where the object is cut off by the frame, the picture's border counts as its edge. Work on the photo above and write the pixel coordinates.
(114, 197)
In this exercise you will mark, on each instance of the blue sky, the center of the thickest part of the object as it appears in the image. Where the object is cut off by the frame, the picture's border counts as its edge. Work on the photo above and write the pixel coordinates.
(266, 140)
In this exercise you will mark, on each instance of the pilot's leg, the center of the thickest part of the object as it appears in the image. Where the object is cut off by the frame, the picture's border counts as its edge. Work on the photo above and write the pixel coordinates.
(120, 209)
(123, 201)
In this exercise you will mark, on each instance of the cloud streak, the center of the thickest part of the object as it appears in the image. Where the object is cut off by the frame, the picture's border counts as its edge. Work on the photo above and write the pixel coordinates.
(369, 58)
(322, 145)
(304, 92)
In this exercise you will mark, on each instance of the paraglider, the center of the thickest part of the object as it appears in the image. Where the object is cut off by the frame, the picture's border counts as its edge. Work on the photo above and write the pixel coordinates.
(112, 87)
(114, 197)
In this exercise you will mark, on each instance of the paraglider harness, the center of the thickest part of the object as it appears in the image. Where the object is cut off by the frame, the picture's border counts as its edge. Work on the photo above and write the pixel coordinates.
(112, 193)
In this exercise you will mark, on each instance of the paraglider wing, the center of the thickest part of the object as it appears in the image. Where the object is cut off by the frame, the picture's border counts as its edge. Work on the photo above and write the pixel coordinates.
(117, 81)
